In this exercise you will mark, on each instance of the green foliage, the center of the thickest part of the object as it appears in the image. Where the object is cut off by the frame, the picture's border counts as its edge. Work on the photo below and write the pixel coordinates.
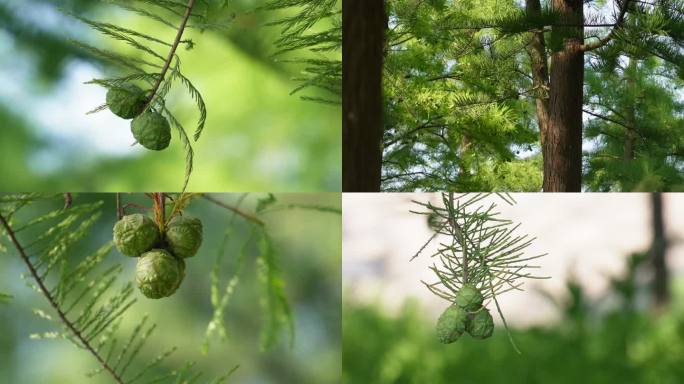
(590, 343)
(316, 27)
(90, 308)
(454, 112)
(275, 306)
(5, 298)
(636, 127)
(181, 319)
(156, 72)
(220, 298)
(82, 292)
(254, 123)
(460, 99)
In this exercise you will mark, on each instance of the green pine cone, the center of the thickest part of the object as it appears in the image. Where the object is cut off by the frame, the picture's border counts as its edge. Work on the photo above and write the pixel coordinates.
(184, 236)
(469, 298)
(135, 234)
(152, 130)
(126, 101)
(451, 324)
(480, 324)
(158, 274)
(435, 222)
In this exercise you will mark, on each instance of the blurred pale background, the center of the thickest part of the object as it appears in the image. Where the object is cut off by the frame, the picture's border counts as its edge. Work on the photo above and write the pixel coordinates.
(258, 137)
(587, 237)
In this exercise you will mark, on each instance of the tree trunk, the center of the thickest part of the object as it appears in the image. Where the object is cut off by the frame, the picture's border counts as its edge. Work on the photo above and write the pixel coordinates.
(540, 72)
(562, 147)
(364, 24)
(658, 252)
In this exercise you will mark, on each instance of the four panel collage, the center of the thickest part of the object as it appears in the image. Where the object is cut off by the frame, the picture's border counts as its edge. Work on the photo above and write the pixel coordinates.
(342, 191)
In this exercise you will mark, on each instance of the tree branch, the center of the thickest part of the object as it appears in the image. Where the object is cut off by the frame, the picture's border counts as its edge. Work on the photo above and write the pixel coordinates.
(172, 52)
(54, 304)
(236, 210)
(606, 118)
(618, 24)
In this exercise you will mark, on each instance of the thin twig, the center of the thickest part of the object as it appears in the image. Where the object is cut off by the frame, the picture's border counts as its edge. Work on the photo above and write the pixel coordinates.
(119, 209)
(234, 209)
(54, 304)
(172, 52)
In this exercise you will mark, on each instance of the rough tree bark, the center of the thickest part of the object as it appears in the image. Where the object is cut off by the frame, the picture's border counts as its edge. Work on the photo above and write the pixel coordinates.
(562, 146)
(661, 278)
(364, 24)
(540, 72)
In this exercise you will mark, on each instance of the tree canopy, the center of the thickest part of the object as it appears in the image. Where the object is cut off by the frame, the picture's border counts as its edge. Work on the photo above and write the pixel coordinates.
(473, 89)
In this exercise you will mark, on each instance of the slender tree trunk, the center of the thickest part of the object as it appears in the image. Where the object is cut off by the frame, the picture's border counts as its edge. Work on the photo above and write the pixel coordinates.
(661, 277)
(364, 24)
(540, 72)
(630, 140)
(562, 147)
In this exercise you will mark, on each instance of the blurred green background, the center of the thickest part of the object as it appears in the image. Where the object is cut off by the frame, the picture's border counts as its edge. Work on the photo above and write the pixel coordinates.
(258, 137)
(586, 346)
(311, 270)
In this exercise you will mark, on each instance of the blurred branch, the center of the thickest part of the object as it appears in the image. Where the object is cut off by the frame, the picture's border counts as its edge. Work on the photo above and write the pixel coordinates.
(234, 209)
(659, 252)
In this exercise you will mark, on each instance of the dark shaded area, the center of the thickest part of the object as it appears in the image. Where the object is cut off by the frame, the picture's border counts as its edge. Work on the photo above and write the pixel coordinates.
(364, 21)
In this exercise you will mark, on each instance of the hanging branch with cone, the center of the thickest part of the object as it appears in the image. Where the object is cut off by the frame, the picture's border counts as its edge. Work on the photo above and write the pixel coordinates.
(483, 258)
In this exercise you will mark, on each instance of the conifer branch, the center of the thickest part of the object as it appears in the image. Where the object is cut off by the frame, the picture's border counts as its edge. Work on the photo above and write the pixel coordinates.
(618, 24)
(53, 303)
(483, 251)
(172, 52)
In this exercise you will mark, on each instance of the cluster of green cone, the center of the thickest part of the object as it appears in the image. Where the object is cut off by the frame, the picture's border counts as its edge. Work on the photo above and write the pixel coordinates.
(161, 265)
(466, 315)
(150, 128)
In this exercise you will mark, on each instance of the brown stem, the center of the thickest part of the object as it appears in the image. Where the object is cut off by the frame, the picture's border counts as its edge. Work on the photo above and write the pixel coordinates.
(172, 52)
(236, 210)
(658, 253)
(540, 72)
(68, 199)
(159, 203)
(54, 304)
(119, 209)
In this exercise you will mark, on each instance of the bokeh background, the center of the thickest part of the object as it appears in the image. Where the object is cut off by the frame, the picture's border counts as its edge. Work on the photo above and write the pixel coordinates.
(596, 320)
(311, 271)
(258, 137)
